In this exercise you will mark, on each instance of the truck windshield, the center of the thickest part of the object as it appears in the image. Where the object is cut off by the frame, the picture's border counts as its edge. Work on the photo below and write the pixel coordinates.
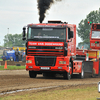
(95, 34)
(47, 34)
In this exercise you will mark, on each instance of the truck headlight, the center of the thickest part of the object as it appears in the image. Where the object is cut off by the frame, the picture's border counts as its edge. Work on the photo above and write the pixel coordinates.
(28, 61)
(62, 62)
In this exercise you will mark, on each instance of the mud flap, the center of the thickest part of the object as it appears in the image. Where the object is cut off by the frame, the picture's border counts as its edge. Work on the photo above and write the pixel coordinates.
(88, 66)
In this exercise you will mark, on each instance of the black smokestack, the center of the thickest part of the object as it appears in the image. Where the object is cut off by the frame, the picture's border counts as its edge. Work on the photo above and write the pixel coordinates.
(44, 5)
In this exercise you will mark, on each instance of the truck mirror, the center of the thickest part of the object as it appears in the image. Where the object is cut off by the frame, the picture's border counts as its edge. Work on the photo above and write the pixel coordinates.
(24, 33)
(71, 34)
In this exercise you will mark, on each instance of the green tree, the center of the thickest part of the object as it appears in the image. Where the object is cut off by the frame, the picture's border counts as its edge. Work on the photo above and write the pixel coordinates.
(13, 40)
(83, 29)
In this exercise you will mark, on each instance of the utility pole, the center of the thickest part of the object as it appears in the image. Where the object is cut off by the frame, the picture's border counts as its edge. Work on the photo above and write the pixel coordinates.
(7, 36)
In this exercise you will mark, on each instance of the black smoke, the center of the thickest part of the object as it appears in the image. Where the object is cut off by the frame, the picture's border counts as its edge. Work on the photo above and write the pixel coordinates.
(43, 6)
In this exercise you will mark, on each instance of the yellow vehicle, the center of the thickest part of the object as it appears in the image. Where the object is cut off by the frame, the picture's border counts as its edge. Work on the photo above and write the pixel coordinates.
(20, 48)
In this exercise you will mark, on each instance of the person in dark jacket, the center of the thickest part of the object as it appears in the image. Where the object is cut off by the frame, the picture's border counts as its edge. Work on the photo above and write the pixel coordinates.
(17, 55)
(4, 52)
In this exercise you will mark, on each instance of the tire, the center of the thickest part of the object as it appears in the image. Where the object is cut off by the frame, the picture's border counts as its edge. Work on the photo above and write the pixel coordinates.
(67, 75)
(32, 74)
(81, 75)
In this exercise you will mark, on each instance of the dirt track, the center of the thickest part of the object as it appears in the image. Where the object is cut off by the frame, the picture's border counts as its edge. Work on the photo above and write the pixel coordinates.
(18, 79)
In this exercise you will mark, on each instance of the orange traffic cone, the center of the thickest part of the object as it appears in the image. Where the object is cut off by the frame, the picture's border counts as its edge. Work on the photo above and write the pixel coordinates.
(5, 67)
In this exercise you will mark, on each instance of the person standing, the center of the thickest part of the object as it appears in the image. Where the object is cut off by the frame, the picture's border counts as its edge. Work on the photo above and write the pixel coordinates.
(4, 52)
(23, 55)
(17, 55)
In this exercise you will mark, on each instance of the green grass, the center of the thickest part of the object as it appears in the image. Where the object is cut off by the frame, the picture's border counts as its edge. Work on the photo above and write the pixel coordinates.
(1, 59)
(88, 93)
(12, 67)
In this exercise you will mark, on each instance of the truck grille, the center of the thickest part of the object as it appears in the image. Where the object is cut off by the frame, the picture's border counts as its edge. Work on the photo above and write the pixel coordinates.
(45, 60)
(44, 50)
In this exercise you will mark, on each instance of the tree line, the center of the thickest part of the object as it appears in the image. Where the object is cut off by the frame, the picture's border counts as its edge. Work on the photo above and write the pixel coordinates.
(11, 40)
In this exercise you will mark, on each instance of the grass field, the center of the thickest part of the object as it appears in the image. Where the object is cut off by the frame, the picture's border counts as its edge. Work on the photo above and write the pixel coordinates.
(88, 93)
(1, 59)
(12, 67)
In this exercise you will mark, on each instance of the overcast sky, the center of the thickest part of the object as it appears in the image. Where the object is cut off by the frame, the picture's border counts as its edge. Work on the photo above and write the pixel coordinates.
(14, 14)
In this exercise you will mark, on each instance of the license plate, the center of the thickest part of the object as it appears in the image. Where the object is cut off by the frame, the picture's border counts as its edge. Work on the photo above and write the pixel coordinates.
(45, 68)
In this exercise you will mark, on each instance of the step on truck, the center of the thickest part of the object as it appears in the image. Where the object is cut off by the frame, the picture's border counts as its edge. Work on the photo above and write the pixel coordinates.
(51, 49)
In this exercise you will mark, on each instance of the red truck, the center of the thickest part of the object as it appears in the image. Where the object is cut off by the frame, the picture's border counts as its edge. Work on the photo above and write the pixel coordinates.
(93, 53)
(51, 49)
(95, 45)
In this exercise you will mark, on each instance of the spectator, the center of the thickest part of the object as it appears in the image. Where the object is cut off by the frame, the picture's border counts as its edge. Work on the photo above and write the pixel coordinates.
(23, 55)
(4, 52)
(17, 55)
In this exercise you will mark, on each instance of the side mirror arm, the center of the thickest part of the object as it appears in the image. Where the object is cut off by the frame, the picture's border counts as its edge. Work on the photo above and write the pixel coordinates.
(24, 33)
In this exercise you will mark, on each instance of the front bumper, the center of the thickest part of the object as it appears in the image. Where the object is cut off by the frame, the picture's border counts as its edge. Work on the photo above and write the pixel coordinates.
(57, 67)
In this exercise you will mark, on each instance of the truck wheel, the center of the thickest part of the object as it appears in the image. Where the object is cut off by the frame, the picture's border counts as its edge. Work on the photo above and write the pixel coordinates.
(32, 74)
(67, 76)
(81, 75)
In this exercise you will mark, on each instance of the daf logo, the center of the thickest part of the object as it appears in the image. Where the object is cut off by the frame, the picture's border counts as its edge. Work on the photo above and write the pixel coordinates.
(58, 47)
